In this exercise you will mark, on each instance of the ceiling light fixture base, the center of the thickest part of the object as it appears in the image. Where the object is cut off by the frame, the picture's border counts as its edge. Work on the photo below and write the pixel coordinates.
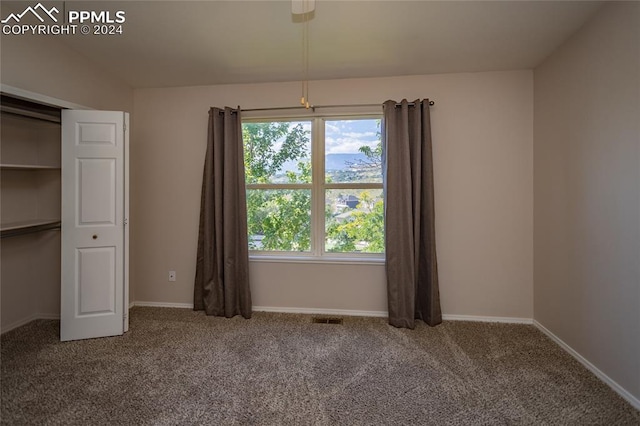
(302, 7)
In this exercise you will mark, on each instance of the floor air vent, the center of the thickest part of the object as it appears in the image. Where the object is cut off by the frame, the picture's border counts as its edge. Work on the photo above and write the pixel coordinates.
(327, 320)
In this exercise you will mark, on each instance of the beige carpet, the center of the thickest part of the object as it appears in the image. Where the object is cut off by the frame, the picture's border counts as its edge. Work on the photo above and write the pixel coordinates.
(176, 366)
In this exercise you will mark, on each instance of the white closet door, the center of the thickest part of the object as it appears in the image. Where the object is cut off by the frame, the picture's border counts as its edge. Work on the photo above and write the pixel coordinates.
(94, 247)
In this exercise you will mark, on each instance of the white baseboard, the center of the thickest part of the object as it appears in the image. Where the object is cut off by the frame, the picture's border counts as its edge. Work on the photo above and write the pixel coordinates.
(19, 323)
(274, 309)
(348, 312)
(341, 312)
(475, 318)
(27, 320)
(162, 305)
(595, 370)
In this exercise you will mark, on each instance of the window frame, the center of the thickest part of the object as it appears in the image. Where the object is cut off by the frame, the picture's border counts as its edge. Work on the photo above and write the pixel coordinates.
(318, 187)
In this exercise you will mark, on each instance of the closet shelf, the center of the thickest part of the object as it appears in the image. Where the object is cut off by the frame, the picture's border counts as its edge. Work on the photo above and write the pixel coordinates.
(27, 167)
(12, 229)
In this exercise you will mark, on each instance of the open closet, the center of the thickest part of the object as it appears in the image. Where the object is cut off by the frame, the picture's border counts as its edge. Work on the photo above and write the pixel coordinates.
(64, 216)
(30, 197)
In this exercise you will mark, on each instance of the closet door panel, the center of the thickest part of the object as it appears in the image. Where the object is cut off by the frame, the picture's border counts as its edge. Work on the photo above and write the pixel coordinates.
(96, 188)
(93, 233)
(96, 281)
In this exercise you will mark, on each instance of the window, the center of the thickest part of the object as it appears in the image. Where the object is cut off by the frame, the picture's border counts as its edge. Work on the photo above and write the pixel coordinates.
(314, 187)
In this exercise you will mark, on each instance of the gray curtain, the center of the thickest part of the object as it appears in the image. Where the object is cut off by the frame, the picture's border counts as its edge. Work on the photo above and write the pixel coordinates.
(411, 263)
(222, 266)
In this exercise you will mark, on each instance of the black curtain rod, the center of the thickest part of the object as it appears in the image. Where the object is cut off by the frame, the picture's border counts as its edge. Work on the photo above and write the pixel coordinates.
(313, 107)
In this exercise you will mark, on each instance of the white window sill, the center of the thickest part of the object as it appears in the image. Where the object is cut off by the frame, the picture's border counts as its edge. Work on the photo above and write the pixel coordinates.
(336, 260)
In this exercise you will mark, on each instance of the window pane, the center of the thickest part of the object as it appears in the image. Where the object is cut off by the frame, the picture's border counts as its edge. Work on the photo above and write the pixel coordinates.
(353, 151)
(279, 220)
(277, 151)
(354, 221)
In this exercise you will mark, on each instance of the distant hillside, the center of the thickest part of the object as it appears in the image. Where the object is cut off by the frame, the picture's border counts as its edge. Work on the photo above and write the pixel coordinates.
(334, 162)
(341, 161)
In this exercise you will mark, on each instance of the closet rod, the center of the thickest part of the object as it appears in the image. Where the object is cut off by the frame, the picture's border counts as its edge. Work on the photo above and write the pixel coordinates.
(30, 230)
(313, 107)
(31, 114)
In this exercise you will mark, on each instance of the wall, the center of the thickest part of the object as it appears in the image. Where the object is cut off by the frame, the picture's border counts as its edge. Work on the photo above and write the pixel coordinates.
(45, 66)
(483, 150)
(587, 193)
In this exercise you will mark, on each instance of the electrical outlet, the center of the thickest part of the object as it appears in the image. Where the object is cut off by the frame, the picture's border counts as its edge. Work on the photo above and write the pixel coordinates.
(172, 275)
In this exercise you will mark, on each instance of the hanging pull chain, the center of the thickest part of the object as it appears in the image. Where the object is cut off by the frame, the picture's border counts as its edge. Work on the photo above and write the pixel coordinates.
(306, 16)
